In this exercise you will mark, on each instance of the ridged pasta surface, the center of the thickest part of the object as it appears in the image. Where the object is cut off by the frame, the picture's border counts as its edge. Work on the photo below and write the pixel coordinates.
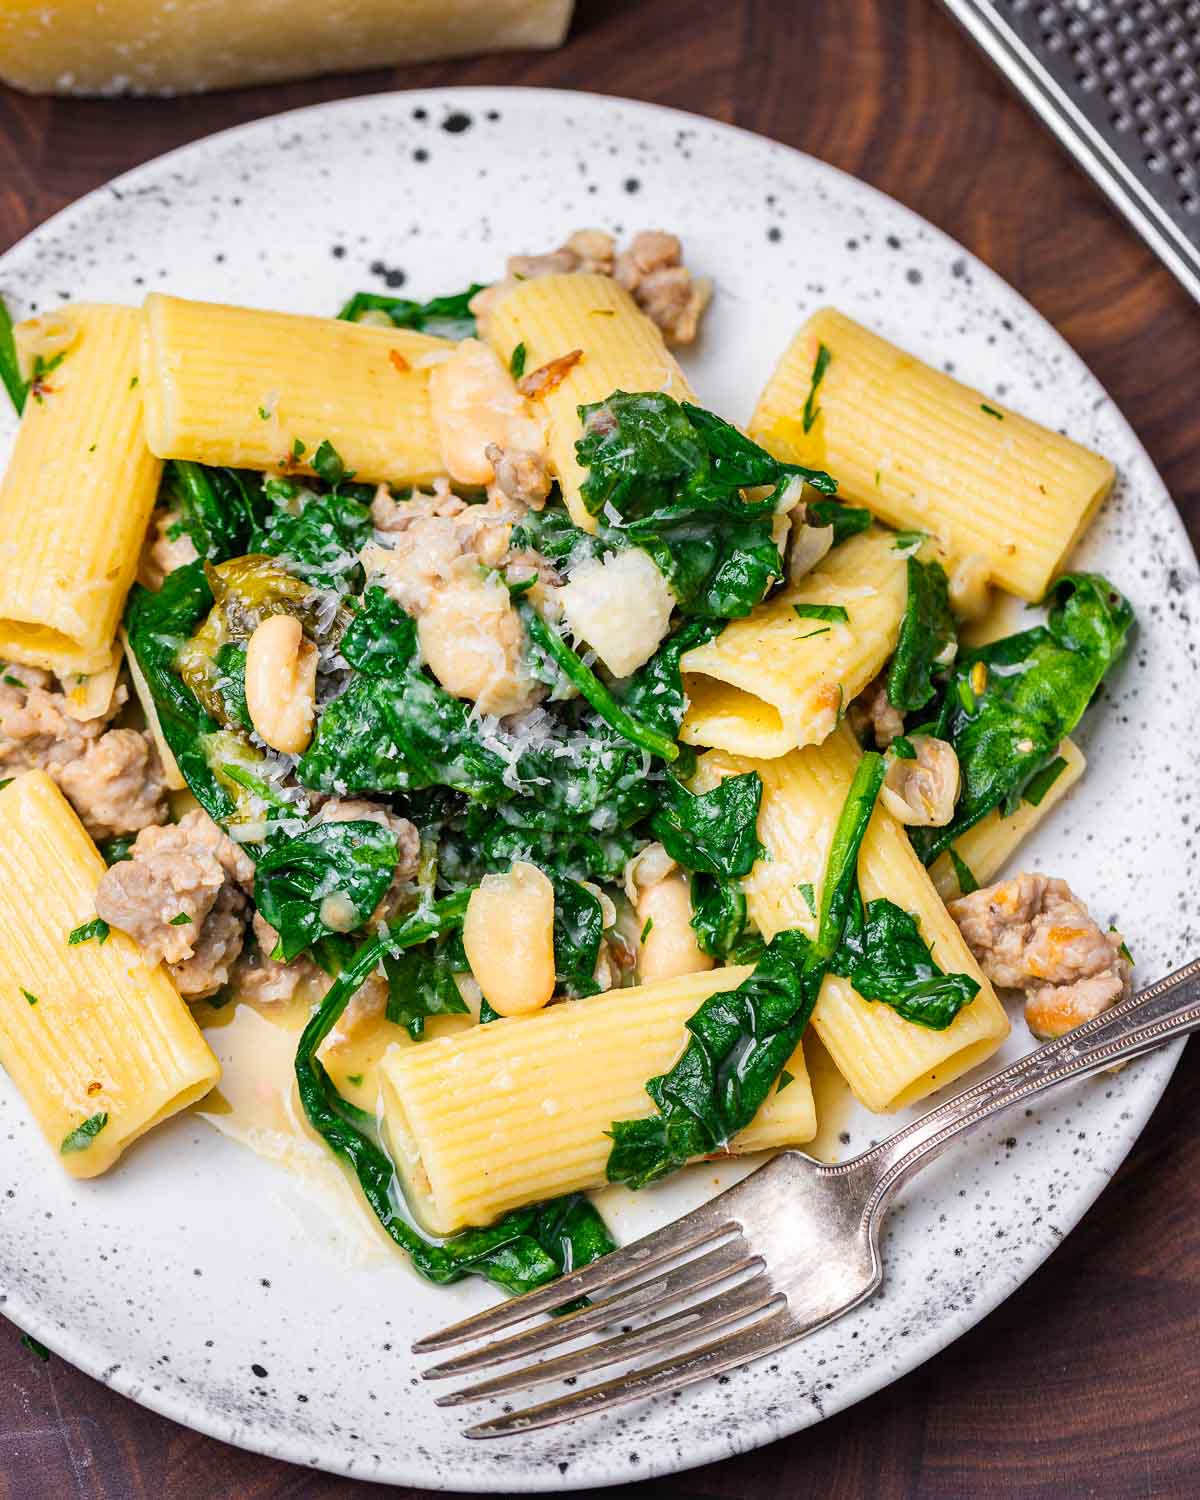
(926, 452)
(516, 1111)
(108, 1034)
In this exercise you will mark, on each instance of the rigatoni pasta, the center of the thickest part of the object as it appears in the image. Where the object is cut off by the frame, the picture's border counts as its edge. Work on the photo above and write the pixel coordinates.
(97, 1040)
(887, 1061)
(553, 1085)
(619, 349)
(783, 676)
(985, 849)
(78, 491)
(924, 451)
(397, 743)
(263, 390)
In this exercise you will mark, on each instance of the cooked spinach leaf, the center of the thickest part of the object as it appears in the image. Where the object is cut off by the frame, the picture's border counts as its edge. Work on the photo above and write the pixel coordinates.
(713, 833)
(319, 536)
(421, 984)
(846, 520)
(394, 728)
(525, 1249)
(447, 317)
(962, 873)
(740, 1039)
(221, 509)
(10, 369)
(668, 477)
(885, 958)
(578, 928)
(719, 921)
(928, 637)
(158, 626)
(329, 879)
(1034, 689)
(1038, 785)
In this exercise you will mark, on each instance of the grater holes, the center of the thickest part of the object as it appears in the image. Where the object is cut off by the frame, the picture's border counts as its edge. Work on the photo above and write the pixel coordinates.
(1134, 67)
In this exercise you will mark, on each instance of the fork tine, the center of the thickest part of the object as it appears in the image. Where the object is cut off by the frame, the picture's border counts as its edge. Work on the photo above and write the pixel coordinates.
(689, 1233)
(685, 1325)
(773, 1331)
(693, 1276)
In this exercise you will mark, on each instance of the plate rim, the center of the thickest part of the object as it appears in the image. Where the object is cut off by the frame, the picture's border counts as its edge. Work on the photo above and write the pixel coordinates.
(275, 1442)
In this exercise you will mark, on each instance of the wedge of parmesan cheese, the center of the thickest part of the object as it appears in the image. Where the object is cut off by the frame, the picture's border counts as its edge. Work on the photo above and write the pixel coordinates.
(187, 46)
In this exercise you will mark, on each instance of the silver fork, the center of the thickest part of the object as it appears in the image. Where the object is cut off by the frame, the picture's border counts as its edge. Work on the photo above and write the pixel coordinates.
(788, 1249)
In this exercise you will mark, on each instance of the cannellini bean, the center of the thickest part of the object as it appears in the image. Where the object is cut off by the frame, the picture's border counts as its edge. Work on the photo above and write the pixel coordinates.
(970, 587)
(475, 402)
(472, 641)
(621, 606)
(922, 792)
(508, 934)
(667, 945)
(281, 683)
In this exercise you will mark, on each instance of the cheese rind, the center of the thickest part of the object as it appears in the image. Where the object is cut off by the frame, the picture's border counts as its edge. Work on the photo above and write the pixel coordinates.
(167, 47)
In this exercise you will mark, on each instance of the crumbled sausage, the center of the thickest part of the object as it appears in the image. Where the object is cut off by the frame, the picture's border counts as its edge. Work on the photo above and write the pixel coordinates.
(188, 870)
(216, 949)
(112, 777)
(872, 711)
(1031, 933)
(116, 786)
(521, 475)
(36, 730)
(259, 977)
(651, 270)
(166, 548)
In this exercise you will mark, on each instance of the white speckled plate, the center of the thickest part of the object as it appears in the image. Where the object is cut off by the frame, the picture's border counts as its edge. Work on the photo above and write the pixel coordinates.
(196, 1278)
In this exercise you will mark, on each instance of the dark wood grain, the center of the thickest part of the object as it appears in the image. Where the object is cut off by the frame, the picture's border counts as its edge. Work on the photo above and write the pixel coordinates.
(1086, 1382)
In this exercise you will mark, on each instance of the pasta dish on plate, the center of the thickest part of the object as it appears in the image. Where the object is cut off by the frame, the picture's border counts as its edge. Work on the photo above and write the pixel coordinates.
(549, 759)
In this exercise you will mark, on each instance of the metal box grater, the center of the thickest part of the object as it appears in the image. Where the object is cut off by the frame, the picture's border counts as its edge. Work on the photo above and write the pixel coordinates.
(1118, 82)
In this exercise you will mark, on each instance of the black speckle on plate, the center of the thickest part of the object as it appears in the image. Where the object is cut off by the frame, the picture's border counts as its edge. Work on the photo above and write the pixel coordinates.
(456, 123)
(259, 1371)
(632, 185)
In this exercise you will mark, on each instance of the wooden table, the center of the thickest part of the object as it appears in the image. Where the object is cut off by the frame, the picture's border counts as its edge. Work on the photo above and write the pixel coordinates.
(1086, 1381)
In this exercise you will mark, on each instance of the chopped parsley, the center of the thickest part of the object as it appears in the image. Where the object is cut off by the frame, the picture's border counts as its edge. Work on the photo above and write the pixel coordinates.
(806, 890)
(991, 411)
(516, 364)
(647, 930)
(181, 919)
(906, 540)
(820, 612)
(784, 1079)
(298, 448)
(811, 410)
(264, 414)
(30, 1343)
(83, 1135)
(33, 999)
(133, 383)
(355, 1079)
(13, 681)
(824, 630)
(97, 928)
(902, 748)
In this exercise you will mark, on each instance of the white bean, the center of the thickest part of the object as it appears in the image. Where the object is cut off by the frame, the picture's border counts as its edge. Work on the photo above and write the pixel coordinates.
(508, 934)
(472, 642)
(474, 401)
(667, 945)
(281, 683)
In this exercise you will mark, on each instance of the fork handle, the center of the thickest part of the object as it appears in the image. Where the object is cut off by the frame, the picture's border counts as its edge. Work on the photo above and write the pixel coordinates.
(1168, 1009)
